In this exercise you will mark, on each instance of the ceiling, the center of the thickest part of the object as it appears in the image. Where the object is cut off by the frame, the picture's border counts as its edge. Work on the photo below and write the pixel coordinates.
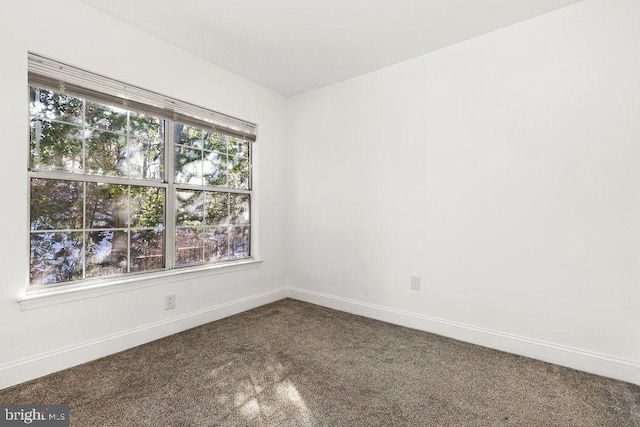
(294, 46)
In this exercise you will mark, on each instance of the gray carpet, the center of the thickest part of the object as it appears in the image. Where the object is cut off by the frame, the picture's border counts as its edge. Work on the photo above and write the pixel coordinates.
(294, 364)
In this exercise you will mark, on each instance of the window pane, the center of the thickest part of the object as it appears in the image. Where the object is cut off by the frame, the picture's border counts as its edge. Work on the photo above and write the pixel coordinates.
(147, 250)
(188, 246)
(239, 242)
(146, 145)
(106, 253)
(238, 172)
(189, 208)
(106, 117)
(214, 168)
(147, 207)
(55, 257)
(56, 204)
(216, 208)
(107, 205)
(55, 146)
(215, 142)
(216, 244)
(188, 135)
(82, 229)
(106, 153)
(188, 165)
(55, 106)
(239, 209)
(238, 147)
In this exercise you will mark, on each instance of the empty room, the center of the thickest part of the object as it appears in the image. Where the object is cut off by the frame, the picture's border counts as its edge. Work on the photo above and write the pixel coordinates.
(331, 213)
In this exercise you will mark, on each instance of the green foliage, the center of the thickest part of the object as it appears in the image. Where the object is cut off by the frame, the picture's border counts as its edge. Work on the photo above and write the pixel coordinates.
(120, 228)
(147, 207)
(116, 142)
(210, 158)
(55, 257)
(56, 204)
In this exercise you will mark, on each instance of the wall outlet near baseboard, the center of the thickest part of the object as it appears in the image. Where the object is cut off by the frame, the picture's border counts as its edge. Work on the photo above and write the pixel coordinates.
(170, 301)
(415, 283)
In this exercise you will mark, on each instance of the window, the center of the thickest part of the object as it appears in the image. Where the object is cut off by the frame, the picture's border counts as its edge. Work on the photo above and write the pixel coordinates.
(210, 224)
(126, 181)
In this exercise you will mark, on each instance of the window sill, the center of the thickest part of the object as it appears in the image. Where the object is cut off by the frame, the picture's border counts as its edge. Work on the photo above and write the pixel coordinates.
(59, 295)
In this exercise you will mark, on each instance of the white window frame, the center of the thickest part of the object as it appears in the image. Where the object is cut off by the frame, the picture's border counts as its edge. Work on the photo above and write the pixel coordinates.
(129, 97)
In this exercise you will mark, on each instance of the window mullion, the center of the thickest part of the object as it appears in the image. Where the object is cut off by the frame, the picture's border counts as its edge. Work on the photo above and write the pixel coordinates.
(103, 179)
(129, 223)
(202, 224)
(211, 188)
(129, 193)
(83, 251)
(170, 196)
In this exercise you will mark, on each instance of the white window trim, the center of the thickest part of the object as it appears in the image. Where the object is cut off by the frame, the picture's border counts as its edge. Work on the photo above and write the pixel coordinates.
(83, 290)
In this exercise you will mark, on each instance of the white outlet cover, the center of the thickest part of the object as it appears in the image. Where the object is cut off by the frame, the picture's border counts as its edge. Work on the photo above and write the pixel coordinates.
(170, 301)
(415, 283)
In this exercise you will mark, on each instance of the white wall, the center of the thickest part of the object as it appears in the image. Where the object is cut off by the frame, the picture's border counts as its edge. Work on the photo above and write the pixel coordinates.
(503, 170)
(42, 340)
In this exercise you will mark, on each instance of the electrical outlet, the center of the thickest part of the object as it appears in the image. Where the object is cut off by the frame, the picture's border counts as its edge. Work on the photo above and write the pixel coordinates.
(415, 283)
(170, 301)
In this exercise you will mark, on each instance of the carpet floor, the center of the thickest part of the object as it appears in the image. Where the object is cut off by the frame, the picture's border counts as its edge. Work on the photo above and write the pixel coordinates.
(295, 364)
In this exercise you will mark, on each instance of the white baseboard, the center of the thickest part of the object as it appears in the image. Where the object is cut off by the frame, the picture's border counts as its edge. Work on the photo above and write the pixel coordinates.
(46, 363)
(33, 367)
(582, 360)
